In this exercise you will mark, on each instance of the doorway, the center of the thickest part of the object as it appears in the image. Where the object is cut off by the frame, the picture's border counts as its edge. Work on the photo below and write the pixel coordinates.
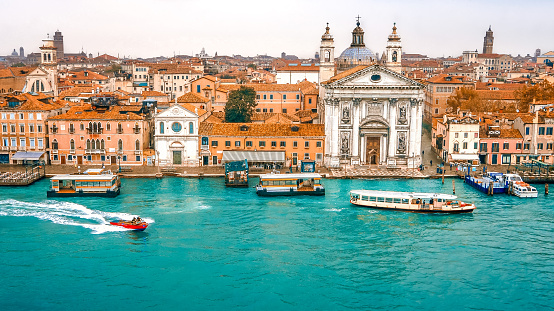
(214, 160)
(205, 160)
(79, 160)
(177, 159)
(62, 159)
(113, 160)
(373, 150)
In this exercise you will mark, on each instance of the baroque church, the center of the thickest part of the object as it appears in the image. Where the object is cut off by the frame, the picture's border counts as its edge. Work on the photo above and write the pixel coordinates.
(372, 113)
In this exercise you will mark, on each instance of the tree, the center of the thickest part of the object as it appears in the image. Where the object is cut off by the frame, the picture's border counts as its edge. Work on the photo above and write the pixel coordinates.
(539, 91)
(114, 68)
(253, 66)
(240, 105)
(465, 99)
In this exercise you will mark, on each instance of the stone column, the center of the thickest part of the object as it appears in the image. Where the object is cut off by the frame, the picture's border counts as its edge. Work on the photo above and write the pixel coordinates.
(356, 117)
(335, 125)
(392, 131)
(412, 150)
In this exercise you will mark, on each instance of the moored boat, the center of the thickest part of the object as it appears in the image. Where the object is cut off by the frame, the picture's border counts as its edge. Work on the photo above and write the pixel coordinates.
(290, 184)
(492, 179)
(93, 182)
(139, 226)
(410, 201)
(523, 190)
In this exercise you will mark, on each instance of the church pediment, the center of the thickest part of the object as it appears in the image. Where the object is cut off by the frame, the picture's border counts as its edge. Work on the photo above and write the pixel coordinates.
(375, 76)
(176, 111)
(374, 122)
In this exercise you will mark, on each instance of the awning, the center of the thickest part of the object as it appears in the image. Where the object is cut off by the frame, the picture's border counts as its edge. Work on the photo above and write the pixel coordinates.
(24, 155)
(463, 157)
(254, 156)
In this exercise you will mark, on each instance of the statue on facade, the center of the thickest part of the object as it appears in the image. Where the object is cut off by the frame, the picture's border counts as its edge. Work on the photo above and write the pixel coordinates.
(345, 149)
(402, 115)
(345, 114)
(401, 142)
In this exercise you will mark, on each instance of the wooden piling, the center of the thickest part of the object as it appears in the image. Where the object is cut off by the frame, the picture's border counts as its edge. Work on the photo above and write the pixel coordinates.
(545, 189)
(491, 190)
(443, 175)
(453, 187)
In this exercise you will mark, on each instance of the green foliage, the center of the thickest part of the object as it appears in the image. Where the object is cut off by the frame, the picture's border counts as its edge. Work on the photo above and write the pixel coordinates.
(18, 65)
(465, 99)
(253, 66)
(240, 105)
(539, 91)
(114, 68)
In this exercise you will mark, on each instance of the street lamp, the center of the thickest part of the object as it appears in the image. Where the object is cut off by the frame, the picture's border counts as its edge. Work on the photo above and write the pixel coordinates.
(119, 162)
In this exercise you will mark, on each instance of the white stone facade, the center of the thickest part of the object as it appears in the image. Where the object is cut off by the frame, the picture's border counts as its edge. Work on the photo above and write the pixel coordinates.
(373, 116)
(176, 137)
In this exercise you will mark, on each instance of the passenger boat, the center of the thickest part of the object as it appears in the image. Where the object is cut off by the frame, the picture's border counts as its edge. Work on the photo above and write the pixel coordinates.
(93, 182)
(140, 226)
(290, 184)
(410, 201)
(519, 188)
(494, 179)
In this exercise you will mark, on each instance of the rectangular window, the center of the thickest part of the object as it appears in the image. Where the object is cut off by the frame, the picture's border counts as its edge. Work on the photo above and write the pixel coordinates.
(284, 110)
(32, 142)
(205, 141)
(258, 96)
(22, 142)
(495, 147)
(214, 143)
(295, 144)
(549, 146)
(273, 144)
(4, 116)
(248, 143)
(475, 135)
(22, 128)
(318, 144)
(541, 130)
(265, 96)
(475, 146)
(282, 144)
(309, 100)
(539, 146)
(506, 146)
(455, 135)
(306, 144)
(39, 116)
(227, 143)
(526, 146)
(4, 127)
(297, 96)
(506, 159)
(31, 128)
(548, 131)
(306, 156)
(464, 145)
(270, 109)
(40, 143)
(198, 89)
(518, 146)
(262, 143)
(14, 142)
(39, 128)
(465, 135)
(31, 117)
(137, 158)
(284, 96)
(527, 130)
(271, 96)
(124, 158)
(6, 142)
(265, 110)
(237, 143)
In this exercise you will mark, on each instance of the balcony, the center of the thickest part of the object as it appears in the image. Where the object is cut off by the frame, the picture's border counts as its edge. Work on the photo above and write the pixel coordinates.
(71, 131)
(21, 148)
(119, 131)
(54, 130)
(72, 151)
(95, 151)
(54, 151)
(138, 152)
(5, 148)
(205, 147)
(136, 130)
(94, 131)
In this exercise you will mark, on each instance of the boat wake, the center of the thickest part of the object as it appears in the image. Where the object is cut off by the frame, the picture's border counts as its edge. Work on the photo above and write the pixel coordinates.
(66, 213)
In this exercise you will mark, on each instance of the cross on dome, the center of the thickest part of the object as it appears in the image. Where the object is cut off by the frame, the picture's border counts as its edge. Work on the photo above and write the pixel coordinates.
(358, 20)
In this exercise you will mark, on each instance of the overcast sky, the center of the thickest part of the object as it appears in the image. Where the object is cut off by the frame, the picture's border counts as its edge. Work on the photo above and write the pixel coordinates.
(146, 28)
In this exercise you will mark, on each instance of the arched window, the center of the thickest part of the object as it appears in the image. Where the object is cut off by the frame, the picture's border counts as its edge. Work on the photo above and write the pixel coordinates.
(119, 128)
(92, 144)
(10, 90)
(88, 144)
(137, 145)
(120, 145)
(82, 126)
(394, 56)
(99, 127)
(161, 127)
(41, 86)
(102, 145)
(71, 128)
(98, 144)
(72, 144)
(94, 128)
(327, 56)
(191, 128)
(55, 145)
(2, 91)
(108, 126)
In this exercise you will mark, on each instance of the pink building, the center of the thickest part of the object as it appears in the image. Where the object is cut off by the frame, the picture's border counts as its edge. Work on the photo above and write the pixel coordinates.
(500, 146)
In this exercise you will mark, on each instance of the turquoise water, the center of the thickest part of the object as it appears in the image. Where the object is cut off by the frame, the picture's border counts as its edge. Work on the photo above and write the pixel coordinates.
(212, 248)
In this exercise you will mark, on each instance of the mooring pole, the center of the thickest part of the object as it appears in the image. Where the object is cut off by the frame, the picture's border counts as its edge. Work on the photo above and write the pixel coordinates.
(453, 187)
(443, 175)
(545, 189)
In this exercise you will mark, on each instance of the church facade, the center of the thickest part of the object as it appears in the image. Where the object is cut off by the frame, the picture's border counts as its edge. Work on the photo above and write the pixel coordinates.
(373, 116)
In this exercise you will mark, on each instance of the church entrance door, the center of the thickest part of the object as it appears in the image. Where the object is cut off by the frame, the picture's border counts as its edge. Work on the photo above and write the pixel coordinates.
(373, 150)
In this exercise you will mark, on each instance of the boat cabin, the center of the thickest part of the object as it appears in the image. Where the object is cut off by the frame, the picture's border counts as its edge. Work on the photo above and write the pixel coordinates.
(290, 184)
(94, 182)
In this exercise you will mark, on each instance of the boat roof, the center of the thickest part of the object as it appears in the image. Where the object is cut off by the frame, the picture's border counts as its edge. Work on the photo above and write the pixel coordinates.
(405, 195)
(290, 176)
(83, 177)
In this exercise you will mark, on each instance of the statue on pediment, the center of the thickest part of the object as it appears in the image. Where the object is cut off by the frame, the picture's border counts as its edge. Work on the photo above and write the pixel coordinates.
(402, 115)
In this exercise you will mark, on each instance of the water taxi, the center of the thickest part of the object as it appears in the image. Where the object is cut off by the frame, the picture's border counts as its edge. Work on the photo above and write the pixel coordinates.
(410, 201)
(93, 182)
(519, 188)
(236, 174)
(133, 225)
(290, 184)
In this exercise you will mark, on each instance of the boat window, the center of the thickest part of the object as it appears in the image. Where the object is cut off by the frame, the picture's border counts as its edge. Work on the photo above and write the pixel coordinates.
(291, 182)
(55, 184)
(388, 200)
(373, 199)
(397, 200)
(405, 201)
(380, 199)
(78, 184)
(364, 198)
(317, 181)
(355, 196)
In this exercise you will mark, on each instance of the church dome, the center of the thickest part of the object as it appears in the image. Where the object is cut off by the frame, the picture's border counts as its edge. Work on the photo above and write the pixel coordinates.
(357, 54)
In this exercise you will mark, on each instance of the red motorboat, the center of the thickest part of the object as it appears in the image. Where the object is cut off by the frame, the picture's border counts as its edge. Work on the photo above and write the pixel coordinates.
(139, 226)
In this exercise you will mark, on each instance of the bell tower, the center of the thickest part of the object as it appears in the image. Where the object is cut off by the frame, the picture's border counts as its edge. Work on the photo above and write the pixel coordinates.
(394, 52)
(326, 56)
(48, 55)
(487, 42)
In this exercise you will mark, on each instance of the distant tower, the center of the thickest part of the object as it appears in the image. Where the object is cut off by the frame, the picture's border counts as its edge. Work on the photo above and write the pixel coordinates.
(394, 52)
(21, 52)
(487, 42)
(283, 55)
(58, 43)
(537, 52)
(326, 56)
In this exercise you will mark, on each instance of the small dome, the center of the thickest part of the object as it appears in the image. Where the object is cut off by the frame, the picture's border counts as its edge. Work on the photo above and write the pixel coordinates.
(357, 54)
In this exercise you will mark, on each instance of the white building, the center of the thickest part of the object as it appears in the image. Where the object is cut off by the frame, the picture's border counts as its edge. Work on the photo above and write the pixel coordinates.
(176, 135)
(373, 116)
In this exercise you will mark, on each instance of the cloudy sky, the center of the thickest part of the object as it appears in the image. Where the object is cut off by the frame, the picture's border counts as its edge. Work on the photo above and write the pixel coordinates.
(145, 28)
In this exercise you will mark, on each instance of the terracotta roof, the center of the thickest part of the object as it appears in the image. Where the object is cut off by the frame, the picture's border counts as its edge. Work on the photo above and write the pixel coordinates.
(152, 94)
(504, 133)
(192, 108)
(90, 75)
(345, 74)
(262, 130)
(261, 87)
(496, 95)
(299, 67)
(500, 86)
(85, 112)
(493, 55)
(442, 79)
(190, 97)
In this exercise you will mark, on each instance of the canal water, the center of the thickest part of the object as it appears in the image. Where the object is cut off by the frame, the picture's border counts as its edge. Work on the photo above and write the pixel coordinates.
(211, 248)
